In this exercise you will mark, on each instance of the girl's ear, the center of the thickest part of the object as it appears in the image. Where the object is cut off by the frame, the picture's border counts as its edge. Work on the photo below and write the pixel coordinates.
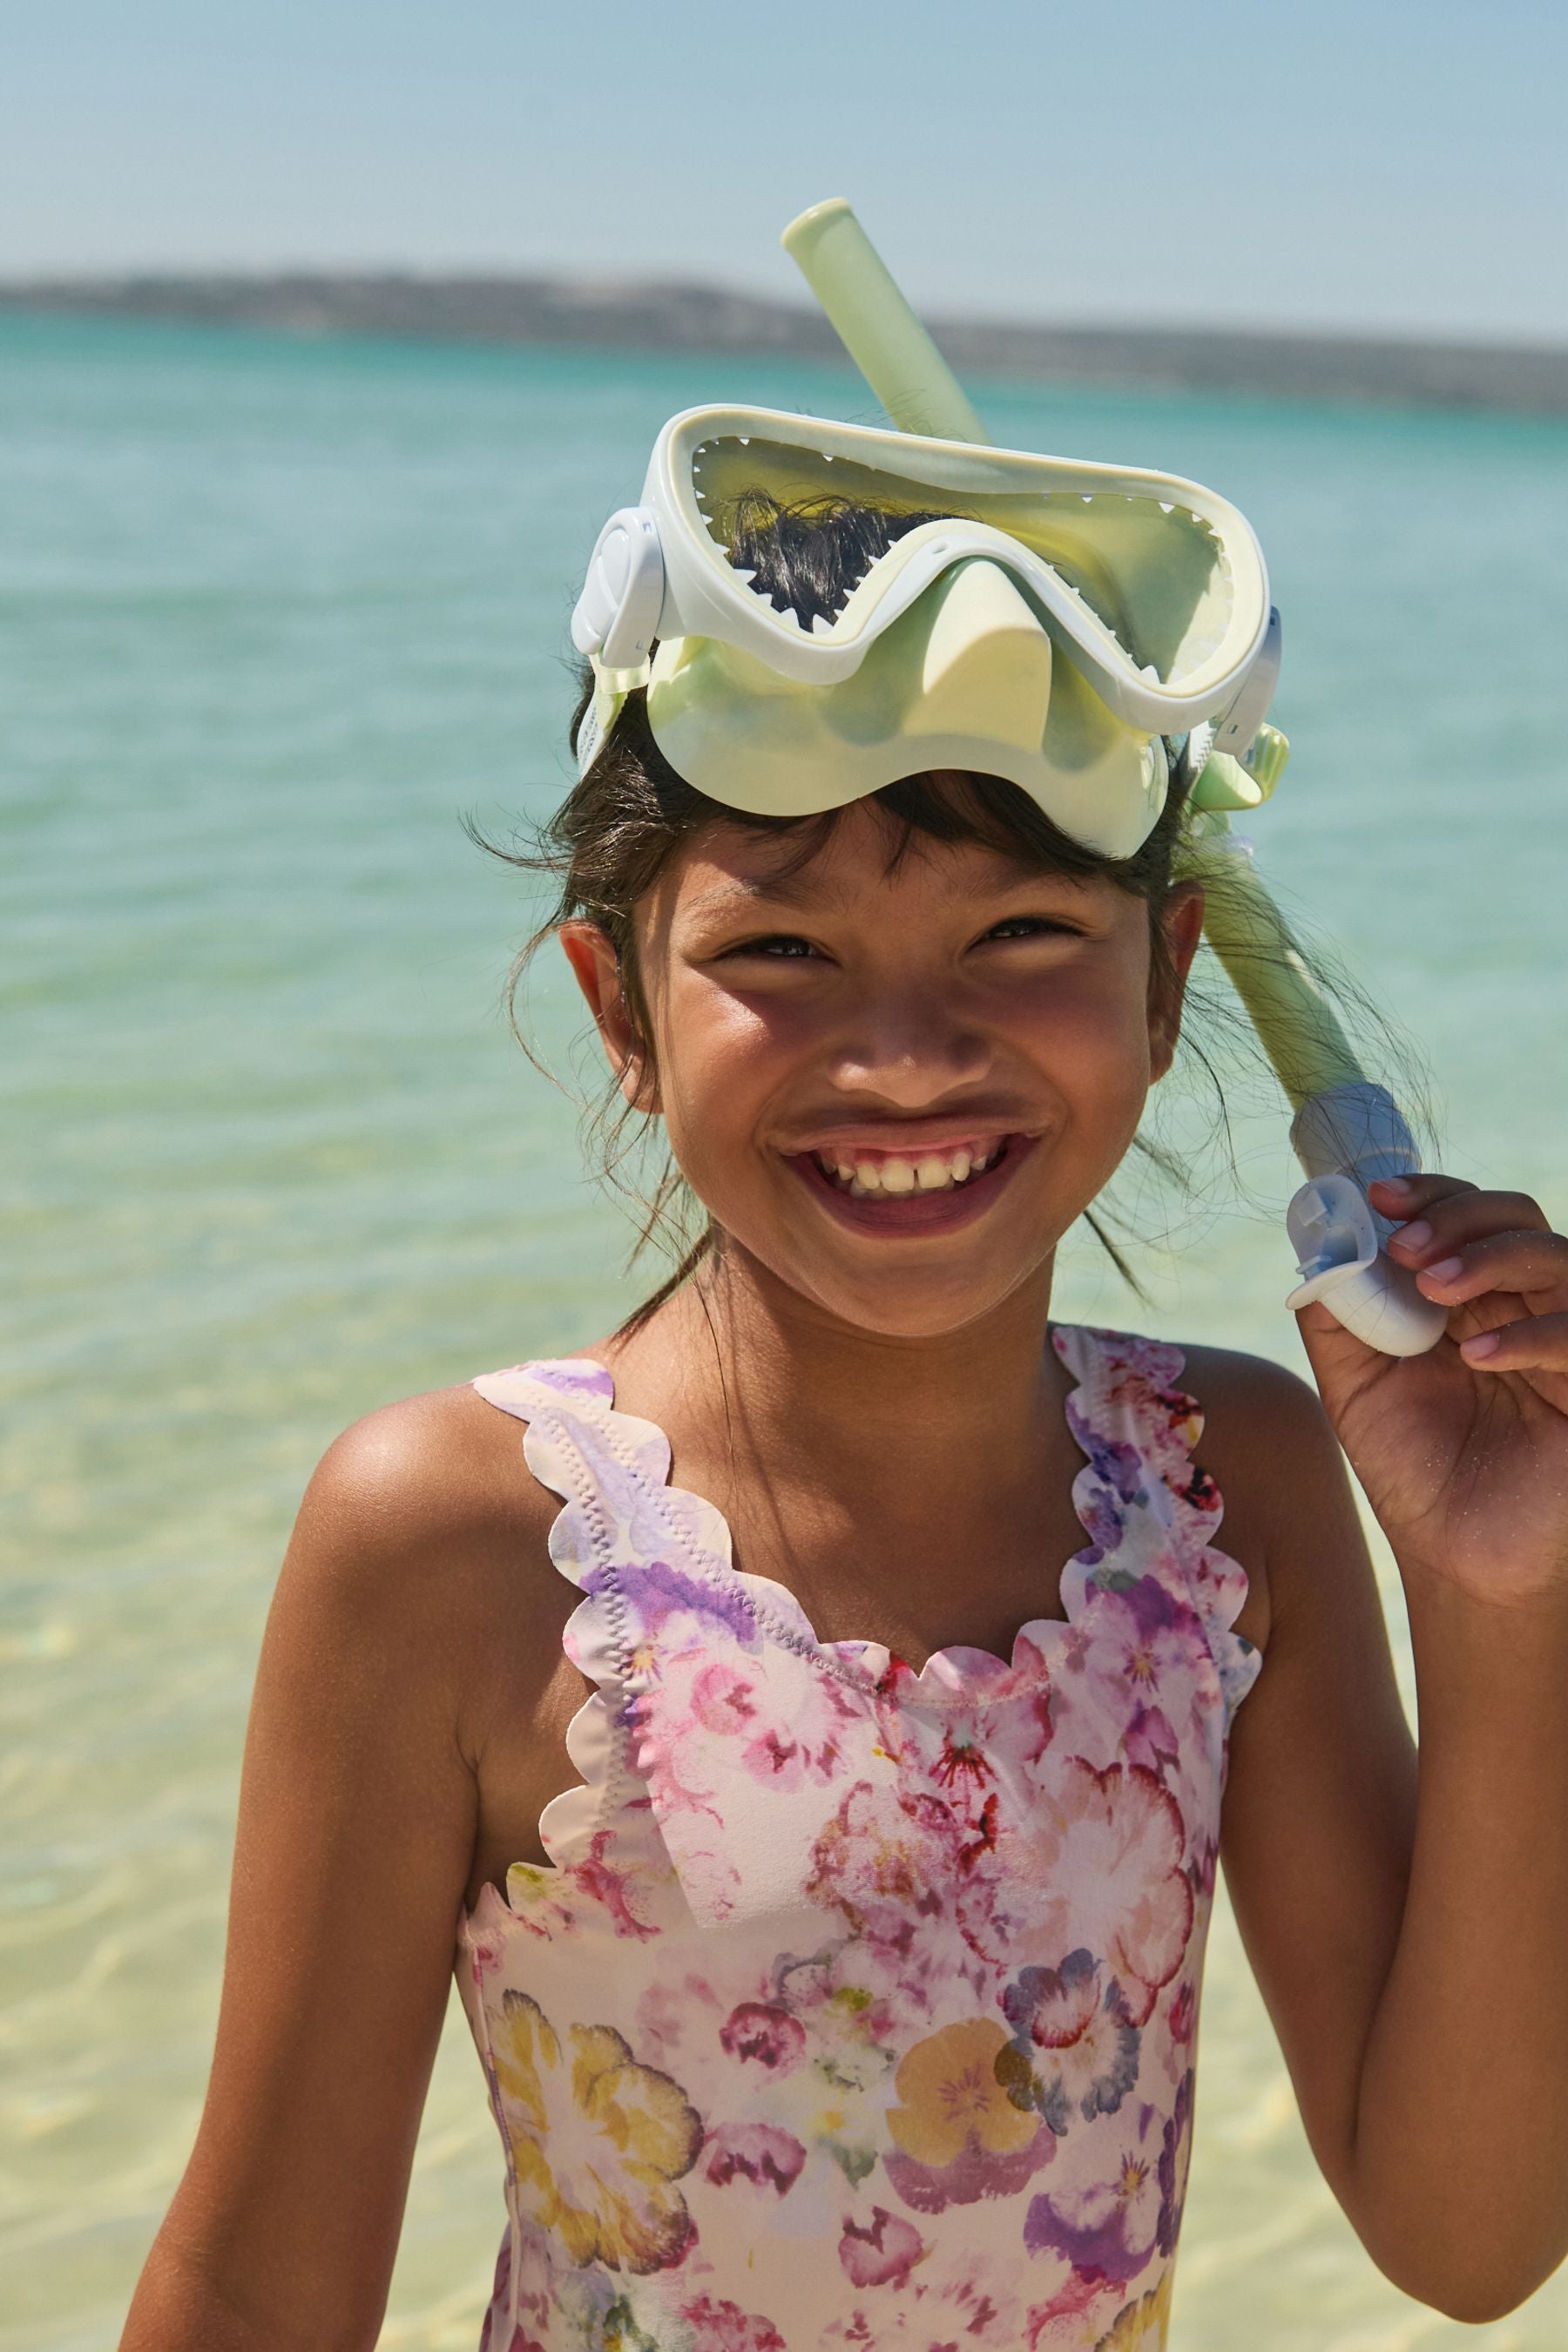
(1182, 919)
(591, 952)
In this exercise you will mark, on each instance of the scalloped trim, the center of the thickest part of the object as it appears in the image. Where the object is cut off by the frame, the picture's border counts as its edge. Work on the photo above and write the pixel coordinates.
(1142, 1375)
(549, 1399)
(1114, 1373)
(949, 1677)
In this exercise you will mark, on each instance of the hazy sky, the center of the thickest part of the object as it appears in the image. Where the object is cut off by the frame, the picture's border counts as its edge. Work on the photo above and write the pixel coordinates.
(1383, 163)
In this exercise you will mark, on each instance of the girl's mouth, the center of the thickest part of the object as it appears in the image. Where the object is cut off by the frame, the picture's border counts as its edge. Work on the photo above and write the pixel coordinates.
(916, 1191)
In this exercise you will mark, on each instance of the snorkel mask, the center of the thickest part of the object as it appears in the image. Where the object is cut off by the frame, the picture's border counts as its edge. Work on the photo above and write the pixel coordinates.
(1083, 631)
(1053, 627)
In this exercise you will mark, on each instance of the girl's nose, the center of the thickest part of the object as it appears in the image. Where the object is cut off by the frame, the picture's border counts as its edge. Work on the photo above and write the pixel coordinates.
(910, 1048)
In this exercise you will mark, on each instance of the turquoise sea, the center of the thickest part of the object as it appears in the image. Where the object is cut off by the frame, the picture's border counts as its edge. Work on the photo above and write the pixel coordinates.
(273, 615)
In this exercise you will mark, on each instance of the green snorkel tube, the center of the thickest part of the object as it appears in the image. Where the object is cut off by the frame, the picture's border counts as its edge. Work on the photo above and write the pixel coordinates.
(1347, 1130)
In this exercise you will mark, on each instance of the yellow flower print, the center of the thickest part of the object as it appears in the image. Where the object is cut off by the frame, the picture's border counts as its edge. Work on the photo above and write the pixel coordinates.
(949, 2092)
(1141, 2327)
(597, 2141)
(958, 2136)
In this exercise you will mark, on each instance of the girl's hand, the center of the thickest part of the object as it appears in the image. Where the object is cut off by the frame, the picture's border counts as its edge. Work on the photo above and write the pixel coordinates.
(1463, 1452)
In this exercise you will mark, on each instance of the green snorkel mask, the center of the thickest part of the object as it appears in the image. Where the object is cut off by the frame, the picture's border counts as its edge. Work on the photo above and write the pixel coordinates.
(1076, 629)
(1057, 625)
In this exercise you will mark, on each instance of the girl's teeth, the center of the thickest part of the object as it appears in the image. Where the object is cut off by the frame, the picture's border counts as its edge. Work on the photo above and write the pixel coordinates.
(933, 1172)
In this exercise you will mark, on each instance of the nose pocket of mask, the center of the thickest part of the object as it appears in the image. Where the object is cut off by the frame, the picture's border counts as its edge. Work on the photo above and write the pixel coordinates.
(986, 664)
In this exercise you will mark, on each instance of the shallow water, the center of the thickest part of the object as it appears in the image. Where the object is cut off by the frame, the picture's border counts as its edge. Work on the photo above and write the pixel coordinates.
(272, 616)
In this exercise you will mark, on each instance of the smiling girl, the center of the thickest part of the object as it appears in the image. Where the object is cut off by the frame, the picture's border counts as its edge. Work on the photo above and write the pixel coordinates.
(828, 1864)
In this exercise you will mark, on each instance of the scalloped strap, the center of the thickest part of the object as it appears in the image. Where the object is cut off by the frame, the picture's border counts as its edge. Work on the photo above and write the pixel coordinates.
(715, 1710)
(603, 1823)
(1139, 1427)
(726, 1728)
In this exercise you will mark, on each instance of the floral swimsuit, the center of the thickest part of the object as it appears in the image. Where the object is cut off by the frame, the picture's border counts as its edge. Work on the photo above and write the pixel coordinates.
(857, 2007)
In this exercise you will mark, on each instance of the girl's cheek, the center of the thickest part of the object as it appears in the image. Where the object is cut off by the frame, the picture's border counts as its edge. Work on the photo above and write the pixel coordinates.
(724, 1049)
(1085, 1038)
(719, 1067)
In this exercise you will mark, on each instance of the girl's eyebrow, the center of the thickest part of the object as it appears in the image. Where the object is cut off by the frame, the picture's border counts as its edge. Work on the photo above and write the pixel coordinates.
(798, 890)
(789, 890)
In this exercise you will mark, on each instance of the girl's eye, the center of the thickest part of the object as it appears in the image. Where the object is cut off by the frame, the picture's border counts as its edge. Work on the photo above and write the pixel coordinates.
(782, 944)
(1029, 926)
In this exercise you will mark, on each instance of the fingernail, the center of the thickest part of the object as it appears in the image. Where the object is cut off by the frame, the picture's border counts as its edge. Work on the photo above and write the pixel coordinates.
(1479, 1344)
(1414, 1235)
(1393, 1183)
(1447, 1270)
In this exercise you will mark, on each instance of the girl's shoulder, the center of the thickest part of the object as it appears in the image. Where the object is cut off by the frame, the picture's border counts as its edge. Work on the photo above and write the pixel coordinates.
(423, 1520)
(1248, 1392)
(435, 1469)
(1257, 1413)
(1269, 1448)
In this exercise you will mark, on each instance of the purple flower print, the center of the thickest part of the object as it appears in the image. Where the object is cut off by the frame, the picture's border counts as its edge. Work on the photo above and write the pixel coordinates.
(1073, 2048)
(1100, 1514)
(1105, 2222)
(661, 1592)
(1175, 2156)
(771, 2036)
(1099, 1858)
(1169, 1632)
(568, 1376)
(1204, 1863)
(881, 2253)
(1149, 1740)
(1143, 1658)
(723, 2326)
(759, 2153)
(1112, 1460)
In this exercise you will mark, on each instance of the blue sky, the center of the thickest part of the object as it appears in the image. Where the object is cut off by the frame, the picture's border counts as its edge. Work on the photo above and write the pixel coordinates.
(1373, 163)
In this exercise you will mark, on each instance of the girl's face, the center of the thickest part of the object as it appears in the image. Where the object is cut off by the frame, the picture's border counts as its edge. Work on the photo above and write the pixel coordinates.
(893, 1089)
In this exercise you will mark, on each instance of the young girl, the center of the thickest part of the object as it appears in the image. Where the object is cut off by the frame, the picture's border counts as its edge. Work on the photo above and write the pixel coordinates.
(828, 1867)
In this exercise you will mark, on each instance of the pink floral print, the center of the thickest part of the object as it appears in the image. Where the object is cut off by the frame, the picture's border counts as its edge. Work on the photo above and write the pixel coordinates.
(857, 2006)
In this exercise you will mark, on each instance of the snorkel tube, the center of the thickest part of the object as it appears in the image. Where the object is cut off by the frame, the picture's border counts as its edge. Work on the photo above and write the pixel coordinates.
(1347, 1130)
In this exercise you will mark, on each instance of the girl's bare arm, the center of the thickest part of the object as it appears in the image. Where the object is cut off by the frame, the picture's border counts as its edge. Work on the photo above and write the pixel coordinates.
(1406, 1929)
(357, 1816)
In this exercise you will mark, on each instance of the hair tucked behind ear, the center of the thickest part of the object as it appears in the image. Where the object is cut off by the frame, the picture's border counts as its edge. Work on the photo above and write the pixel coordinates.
(618, 828)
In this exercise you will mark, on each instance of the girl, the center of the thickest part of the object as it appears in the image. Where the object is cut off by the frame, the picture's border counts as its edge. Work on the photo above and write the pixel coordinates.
(829, 1872)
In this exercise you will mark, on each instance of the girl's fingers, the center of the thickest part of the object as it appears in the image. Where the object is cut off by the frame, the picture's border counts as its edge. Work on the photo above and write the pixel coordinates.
(1517, 1261)
(1438, 1224)
(1534, 1343)
(1411, 1196)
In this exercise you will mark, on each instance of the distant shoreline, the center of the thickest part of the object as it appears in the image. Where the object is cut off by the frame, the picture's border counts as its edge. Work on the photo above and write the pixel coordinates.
(496, 309)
